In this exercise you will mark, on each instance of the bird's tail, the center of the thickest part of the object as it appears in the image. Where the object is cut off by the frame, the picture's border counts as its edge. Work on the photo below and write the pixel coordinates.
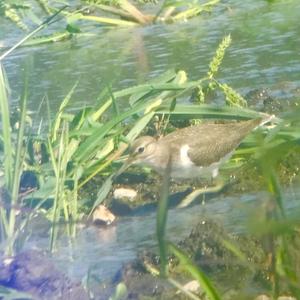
(266, 118)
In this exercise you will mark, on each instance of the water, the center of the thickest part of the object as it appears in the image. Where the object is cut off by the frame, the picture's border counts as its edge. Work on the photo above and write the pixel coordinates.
(264, 54)
(104, 250)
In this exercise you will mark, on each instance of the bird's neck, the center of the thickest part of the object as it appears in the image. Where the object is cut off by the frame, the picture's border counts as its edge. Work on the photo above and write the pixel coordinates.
(159, 157)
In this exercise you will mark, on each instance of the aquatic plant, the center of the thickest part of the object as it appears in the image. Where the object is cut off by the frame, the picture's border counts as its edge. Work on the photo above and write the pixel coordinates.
(269, 150)
(9, 10)
(169, 12)
(81, 145)
(124, 13)
(25, 39)
(269, 224)
(12, 161)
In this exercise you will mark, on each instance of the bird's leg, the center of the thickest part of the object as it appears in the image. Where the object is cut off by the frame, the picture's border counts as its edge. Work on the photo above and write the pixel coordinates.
(215, 188)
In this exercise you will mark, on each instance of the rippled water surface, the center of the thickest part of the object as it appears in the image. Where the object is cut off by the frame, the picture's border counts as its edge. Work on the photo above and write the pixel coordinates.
(264, 53)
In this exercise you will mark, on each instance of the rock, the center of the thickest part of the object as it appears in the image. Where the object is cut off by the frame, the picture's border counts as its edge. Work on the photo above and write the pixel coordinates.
(265, 297)
(102, 216)
(125, 193)
(262, 297)
(33, 272)
(205, 247)
(191, 286)
(259, 99)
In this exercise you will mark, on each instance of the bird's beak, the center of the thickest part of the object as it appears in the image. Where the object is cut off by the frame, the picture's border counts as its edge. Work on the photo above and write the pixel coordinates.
(130, 160)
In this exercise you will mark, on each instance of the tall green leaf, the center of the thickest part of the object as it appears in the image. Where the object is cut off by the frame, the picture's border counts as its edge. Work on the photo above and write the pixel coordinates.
(6, 130)
(197, 274)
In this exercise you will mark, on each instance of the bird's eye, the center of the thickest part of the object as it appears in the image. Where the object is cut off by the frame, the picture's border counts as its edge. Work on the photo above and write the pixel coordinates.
(140, 149)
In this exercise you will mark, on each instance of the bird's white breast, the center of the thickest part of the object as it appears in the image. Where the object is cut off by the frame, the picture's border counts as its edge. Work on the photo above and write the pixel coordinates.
(185, 161)
(185, 168)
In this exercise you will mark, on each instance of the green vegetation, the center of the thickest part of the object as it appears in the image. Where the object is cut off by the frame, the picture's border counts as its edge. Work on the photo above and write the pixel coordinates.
(12, 161)
(82, 145)
(87, 144)
(76, 20)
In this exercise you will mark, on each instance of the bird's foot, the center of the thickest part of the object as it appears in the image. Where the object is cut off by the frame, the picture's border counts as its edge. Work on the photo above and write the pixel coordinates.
(190, 198)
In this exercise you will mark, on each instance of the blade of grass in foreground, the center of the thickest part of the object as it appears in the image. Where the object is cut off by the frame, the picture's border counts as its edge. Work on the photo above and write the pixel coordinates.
(18, 167)
(8, 154)
(107, 21)
(58, 118)
(102, 193)
(205, 283)
(161, 221)
(44, 24)
(208, 112)
(106, 186)
(6, 130)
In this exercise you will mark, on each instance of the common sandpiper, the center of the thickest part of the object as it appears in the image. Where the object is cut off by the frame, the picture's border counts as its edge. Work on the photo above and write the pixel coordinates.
(192, 152)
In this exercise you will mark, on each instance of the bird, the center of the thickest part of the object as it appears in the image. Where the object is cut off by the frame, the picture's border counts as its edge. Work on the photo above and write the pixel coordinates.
(192, 152)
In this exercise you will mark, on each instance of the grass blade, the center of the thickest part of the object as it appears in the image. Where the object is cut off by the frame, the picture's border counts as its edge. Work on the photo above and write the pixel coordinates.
(6, 130)
(43, 25)
(106, 187)
(182, 289)
(18, 168)
(205, 283)
(161, 221)
(94, 140)
(107, 21)
(58, 117)
(103, 192)
(208, 111)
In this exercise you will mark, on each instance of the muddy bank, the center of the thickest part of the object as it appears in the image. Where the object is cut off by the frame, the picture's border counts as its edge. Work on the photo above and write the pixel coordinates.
(239, 266)
(35, 273)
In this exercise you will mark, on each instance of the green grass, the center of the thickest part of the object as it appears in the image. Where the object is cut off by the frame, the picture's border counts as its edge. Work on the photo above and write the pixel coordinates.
(12, 160)
(81, 145)
(85, 144)
(108, 13)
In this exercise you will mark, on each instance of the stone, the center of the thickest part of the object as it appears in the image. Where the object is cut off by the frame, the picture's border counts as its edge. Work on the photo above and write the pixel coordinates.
(35, 273)
(103, 216)
(125, 193)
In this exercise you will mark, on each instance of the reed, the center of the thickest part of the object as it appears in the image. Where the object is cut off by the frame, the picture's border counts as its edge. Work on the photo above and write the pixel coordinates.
(12, 161)
(109, 13)
(81, 145)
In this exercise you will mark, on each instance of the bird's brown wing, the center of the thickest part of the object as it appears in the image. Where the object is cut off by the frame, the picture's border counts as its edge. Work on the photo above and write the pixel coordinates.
(210, 142)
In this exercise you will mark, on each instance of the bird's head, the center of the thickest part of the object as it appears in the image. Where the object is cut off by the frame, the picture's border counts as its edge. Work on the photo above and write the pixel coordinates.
(141, 150)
